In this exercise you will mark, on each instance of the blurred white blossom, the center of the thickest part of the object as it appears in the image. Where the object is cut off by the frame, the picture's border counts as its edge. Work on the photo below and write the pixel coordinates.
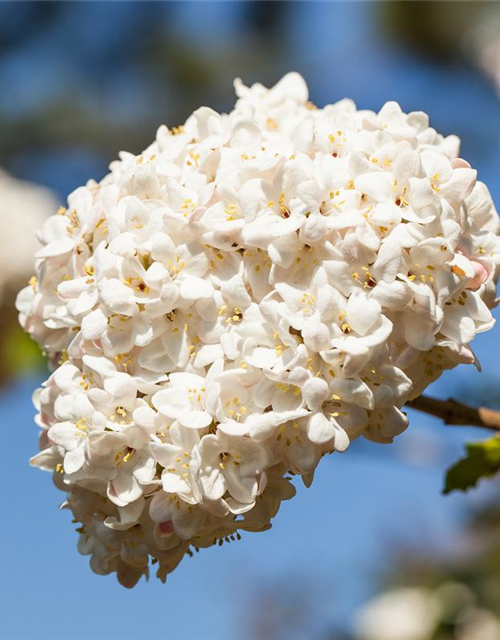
(23, 209)
(401, 614)
(480, 624)
(250, 293)
(417, 614)
(481, 44)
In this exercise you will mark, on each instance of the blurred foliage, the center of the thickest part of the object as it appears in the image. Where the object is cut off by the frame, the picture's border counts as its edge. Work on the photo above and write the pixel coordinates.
(475, 563)
(482, 461)
(172, 74)
(19, 354)
(25, 22)
(434, 29)
(287, 609)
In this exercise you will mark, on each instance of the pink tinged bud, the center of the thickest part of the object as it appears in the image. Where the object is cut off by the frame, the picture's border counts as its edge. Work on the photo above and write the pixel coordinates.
(166, 527)
(43, 440)
(45, 418)
(481, 274)
(460, 163)
(466, 354)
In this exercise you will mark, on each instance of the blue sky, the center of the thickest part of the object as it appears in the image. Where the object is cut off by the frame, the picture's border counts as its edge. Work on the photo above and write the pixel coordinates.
(332, 539)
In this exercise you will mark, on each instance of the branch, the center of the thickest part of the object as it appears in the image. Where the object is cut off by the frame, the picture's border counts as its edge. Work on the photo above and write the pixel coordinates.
(453, 412)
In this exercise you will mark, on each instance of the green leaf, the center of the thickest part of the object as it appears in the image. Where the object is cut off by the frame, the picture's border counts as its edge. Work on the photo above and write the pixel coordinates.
(482, 461)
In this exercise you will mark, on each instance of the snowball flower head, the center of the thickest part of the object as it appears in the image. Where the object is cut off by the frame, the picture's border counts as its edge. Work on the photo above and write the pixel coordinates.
(250, 293)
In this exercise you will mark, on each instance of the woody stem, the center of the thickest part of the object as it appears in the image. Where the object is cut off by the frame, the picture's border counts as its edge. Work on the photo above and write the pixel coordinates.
(452, 412)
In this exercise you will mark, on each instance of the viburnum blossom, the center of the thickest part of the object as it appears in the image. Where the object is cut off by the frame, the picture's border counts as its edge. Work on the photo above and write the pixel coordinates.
(252, 292)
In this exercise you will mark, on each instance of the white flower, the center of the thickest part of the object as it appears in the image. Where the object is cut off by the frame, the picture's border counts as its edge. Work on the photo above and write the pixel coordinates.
(230, 463)
(252, 292)
(175, 458)
(184, 400)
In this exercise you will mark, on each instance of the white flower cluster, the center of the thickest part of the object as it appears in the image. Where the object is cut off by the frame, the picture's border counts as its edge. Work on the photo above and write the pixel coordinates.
(250, 293)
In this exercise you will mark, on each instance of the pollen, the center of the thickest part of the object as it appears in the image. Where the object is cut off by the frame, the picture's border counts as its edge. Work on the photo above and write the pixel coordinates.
(458, 271)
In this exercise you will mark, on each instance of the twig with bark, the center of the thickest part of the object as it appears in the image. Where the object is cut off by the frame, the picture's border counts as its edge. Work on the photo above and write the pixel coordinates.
(452, 412)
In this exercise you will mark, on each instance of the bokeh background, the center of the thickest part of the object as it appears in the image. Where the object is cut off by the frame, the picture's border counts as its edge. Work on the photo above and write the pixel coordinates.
(80, 81)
